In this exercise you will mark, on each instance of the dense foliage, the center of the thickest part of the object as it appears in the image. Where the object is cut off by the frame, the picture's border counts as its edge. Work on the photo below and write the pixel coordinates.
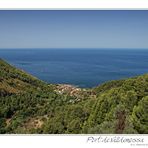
(28, 105)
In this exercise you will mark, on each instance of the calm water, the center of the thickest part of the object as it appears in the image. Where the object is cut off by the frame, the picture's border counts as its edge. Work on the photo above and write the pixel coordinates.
(82, 67)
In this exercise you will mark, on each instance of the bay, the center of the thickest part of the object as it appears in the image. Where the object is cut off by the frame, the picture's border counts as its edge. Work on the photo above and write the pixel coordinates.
(81, 67)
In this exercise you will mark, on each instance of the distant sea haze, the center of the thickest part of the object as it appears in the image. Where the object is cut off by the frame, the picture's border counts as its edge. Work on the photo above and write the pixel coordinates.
(81, 67)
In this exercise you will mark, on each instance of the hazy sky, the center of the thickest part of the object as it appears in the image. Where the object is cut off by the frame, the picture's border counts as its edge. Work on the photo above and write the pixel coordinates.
(73, 29)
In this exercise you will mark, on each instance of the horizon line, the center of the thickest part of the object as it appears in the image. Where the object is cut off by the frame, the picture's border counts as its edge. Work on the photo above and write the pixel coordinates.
(75, 48)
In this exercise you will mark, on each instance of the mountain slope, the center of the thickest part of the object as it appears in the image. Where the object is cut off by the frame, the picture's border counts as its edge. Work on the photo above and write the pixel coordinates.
(28, 105)
(14, 81)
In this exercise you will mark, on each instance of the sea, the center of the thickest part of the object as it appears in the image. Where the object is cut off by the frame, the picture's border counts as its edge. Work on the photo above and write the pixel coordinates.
(81, 67)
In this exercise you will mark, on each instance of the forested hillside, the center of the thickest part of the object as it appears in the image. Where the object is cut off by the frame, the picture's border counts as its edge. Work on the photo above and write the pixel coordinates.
(29, 105)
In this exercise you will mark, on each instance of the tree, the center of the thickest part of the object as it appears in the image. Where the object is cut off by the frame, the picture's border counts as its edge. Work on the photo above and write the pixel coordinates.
(2, 126)
(140, 116)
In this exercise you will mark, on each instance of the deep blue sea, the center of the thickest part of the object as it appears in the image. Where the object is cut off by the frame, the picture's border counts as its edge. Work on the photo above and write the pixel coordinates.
(81, 67)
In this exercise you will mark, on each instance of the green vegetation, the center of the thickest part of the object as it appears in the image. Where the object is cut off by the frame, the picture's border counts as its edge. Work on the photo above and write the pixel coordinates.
(28, 105)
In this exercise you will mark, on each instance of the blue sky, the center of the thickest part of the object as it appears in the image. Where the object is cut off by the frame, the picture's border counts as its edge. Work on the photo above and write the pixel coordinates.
(73, 29)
